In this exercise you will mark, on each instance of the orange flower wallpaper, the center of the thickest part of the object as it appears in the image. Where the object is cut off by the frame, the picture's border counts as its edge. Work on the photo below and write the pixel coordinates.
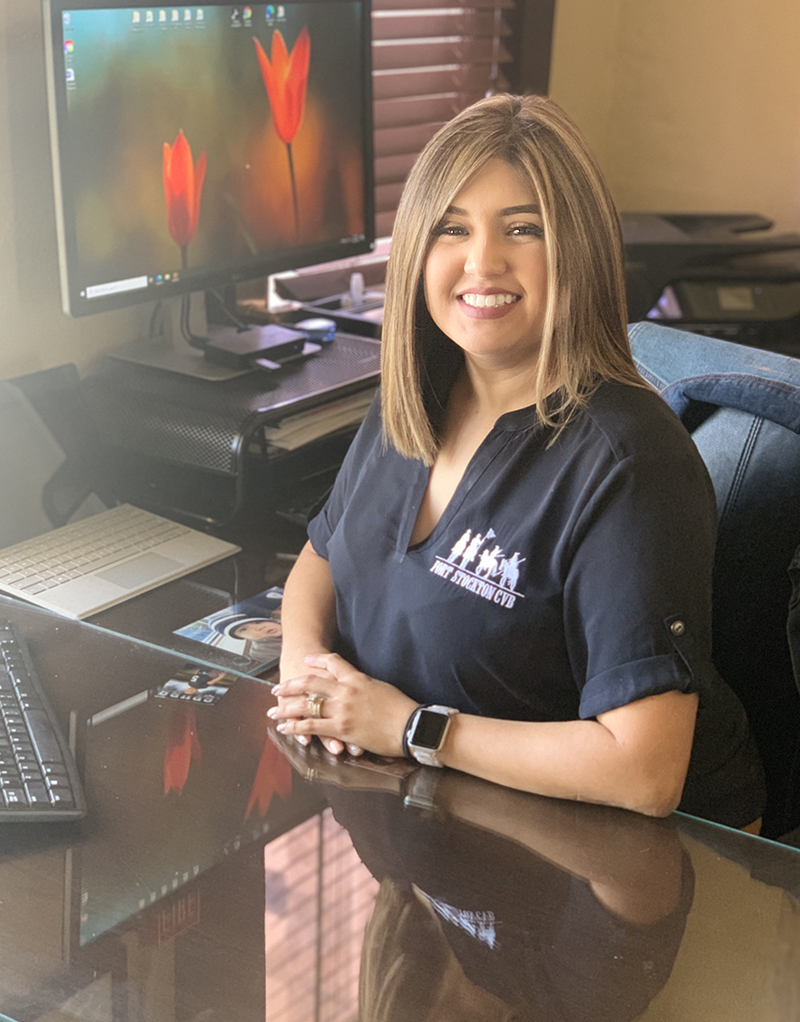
(212, 142)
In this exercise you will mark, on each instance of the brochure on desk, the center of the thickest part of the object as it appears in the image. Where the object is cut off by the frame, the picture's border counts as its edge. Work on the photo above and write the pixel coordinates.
(250, 629)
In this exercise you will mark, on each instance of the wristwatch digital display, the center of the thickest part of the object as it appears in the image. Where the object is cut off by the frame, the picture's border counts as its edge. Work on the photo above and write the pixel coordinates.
(426, 732)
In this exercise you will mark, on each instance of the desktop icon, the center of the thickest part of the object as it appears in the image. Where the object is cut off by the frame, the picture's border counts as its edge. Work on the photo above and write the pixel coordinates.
(270, 12)
(176, 15)
(162, 16)
(281, 12)
(199, 15)
(67, 17)
(70, 73)
(137, 17)
(187, 15)
(69, 46)
(148, 17)
(247, 13)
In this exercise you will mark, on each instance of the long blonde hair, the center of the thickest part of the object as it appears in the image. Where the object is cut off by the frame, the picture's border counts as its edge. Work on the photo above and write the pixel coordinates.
(585, 336)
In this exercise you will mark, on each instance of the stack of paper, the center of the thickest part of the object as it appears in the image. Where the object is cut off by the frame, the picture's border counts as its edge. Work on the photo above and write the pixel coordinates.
(296, 431)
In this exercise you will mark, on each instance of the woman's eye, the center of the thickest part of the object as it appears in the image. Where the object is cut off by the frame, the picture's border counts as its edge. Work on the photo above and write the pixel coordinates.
(449, 231)
(527, 230)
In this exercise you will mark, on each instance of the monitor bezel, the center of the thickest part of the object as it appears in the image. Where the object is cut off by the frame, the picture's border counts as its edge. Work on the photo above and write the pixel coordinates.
(275, 261)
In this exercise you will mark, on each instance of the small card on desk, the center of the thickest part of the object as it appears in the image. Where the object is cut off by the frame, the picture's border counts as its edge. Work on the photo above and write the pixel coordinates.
(251, 629)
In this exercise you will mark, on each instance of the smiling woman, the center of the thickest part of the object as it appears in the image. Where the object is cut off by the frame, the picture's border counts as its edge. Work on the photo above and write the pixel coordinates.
(512, 575)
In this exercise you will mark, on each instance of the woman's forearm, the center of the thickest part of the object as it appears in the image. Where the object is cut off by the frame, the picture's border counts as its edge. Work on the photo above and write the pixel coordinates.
(635, 757)
(308, 612)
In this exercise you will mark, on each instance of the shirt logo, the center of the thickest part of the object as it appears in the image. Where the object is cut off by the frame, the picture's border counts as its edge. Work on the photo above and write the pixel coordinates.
(480, 566)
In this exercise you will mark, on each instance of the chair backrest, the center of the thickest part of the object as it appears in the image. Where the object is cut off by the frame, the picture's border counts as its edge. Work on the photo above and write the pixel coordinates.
(49, 460)
(742, 407)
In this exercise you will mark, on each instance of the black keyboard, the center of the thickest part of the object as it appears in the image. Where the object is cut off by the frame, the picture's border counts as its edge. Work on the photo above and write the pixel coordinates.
(38, 778)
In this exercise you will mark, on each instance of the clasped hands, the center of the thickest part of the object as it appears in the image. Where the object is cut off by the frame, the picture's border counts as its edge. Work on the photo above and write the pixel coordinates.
(343, 707)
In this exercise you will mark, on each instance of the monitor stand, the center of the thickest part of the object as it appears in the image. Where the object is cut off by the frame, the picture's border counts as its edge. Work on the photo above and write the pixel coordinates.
(171, 352)
(237, 350)
(159, 353)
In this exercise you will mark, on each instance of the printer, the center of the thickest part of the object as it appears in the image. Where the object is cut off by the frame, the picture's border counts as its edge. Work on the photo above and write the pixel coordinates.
(725, 275)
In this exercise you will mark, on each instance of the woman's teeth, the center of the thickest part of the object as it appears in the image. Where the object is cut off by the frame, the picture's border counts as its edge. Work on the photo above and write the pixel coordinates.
(488, 301)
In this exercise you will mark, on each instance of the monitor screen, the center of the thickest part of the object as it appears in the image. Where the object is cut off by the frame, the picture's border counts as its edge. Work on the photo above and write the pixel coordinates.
(194, 147)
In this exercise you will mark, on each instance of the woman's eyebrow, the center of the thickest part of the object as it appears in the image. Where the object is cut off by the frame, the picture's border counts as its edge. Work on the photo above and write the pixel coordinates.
(531, 207)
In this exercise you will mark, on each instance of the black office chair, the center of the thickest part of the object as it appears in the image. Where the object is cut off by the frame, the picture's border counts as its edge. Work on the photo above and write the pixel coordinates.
(742, 407)
(54, 396)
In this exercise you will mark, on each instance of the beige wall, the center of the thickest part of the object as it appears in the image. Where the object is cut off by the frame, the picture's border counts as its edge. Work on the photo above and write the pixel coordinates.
(34, 333)
(689, 104)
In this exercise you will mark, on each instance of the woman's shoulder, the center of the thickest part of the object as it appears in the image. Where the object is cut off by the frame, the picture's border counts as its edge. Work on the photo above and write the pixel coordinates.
(633, 422)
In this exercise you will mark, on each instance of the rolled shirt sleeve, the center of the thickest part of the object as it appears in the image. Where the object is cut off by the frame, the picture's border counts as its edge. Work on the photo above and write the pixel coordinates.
(637, 596)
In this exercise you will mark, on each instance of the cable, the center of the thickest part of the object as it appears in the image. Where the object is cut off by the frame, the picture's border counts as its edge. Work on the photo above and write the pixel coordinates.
(186, 332)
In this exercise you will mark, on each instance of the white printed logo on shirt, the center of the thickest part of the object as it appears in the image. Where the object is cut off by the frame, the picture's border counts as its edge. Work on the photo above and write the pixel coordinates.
(480, 566)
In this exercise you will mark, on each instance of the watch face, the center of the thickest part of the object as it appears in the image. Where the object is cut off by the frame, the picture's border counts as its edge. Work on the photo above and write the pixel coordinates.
(428, 730)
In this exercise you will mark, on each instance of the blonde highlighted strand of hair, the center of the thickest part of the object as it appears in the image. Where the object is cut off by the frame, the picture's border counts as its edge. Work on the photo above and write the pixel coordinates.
(585, 339)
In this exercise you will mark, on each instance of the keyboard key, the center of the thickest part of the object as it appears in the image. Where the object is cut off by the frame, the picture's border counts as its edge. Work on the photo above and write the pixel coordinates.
(43, 737)
(63, 798)
(37, 794)
(14, 796)
(57, 783)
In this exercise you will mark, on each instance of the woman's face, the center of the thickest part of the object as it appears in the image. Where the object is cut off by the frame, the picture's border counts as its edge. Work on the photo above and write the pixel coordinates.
(486, 271)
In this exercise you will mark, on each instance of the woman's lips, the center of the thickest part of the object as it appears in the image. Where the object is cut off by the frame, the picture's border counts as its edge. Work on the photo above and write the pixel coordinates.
(479, 305)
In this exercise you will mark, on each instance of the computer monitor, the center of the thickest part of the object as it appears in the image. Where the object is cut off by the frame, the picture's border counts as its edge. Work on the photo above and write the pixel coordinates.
(198, 146)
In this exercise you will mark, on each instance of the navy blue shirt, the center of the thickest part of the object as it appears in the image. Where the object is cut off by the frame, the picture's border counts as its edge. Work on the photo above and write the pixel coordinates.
(567, 576)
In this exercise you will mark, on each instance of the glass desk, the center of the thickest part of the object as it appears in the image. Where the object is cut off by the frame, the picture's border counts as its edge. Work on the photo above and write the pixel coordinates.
(269, 546)
(223, 873)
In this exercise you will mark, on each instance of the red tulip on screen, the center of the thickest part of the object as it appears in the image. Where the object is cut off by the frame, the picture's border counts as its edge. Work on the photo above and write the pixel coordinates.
(183, 185)
(285, 78)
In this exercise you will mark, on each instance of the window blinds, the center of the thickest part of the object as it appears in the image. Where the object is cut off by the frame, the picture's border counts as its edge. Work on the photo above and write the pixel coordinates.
(429, 61)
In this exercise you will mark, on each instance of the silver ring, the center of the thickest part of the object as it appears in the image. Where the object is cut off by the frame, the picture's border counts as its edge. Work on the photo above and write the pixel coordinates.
(315, 703)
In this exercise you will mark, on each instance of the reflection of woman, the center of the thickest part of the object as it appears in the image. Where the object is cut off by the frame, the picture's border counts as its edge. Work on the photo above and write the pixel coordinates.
(580, 916)
(522, 531)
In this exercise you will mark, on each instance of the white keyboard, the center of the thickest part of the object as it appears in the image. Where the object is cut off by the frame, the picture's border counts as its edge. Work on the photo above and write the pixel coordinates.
(98, 562)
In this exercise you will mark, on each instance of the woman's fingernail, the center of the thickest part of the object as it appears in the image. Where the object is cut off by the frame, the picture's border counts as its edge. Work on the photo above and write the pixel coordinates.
(304, 739)
(281, 728)
(277, 690)
(353, 749)
(272, 712)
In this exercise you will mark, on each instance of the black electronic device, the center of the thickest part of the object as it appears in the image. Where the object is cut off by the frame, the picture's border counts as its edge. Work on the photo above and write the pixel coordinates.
(268, 347)
(38, 778)
(196, 147)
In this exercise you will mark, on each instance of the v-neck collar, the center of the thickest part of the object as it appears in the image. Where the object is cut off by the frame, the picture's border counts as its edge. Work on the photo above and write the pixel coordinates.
(521, 419)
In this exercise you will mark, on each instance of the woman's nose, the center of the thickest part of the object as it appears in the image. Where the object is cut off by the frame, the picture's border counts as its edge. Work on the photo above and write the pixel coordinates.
(484, 256)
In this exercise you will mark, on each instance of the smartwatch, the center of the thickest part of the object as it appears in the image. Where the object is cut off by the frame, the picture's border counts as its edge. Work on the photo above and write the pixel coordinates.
(426, 731)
